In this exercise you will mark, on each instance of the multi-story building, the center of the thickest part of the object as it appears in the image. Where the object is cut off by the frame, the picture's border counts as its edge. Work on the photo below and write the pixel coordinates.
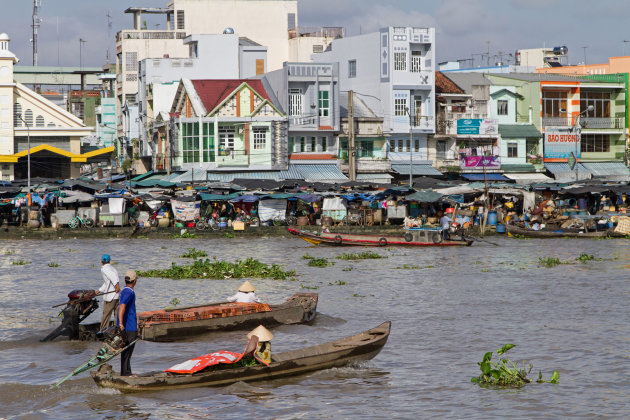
(37, 137)
(228, 126)
(392, 71)
(306, 41)
(583, 122)
(222, 56)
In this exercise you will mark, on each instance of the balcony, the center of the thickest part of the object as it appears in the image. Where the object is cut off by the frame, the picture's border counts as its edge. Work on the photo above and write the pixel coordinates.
(589, 123)
(145, 34)
(423, 121)
(302, 121)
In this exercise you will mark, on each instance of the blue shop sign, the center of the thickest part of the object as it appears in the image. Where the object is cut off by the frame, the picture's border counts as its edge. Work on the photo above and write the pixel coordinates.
(469, 126)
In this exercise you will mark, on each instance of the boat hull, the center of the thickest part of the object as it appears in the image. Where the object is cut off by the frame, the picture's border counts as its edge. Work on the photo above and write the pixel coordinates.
(360, 347)
(358, 239)
(299, 308)
(515, 230)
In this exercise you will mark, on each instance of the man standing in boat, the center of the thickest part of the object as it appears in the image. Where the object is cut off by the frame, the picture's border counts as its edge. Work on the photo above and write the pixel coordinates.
(246, 294)
(127, 320)
(445, 221)
(109, 290)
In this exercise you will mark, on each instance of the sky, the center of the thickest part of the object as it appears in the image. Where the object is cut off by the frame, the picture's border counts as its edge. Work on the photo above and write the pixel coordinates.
(465, 29)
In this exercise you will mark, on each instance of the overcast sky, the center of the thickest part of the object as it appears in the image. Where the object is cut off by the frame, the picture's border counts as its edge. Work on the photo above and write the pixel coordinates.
(463, 27)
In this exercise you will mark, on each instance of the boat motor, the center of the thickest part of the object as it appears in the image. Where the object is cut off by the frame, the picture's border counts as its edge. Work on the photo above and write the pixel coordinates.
(81, 303)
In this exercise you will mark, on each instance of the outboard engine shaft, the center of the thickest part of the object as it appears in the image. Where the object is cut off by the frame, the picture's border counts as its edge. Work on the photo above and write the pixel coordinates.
(80, 305)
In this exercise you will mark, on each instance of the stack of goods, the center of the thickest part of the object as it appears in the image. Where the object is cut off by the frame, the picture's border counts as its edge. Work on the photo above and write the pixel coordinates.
(202, 312)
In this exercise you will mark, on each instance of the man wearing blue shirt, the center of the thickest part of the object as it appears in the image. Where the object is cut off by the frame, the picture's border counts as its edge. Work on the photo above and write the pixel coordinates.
(127, 321)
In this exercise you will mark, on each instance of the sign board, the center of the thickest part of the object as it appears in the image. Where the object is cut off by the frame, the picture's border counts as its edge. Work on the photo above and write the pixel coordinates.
(560, 142)
(489, 162)
(477, 126)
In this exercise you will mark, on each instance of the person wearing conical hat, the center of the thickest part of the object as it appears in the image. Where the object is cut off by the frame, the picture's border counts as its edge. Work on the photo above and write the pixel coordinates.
(246, 294)
(263, 348)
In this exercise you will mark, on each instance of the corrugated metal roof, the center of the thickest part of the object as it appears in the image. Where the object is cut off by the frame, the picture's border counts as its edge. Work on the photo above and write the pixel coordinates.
(487, 177)
(230, 176)
(321, 173)
(403, 169)
(607, 168)
(291, 173)
(370, 177)
(560, 167)
(529, 178)
(516, 167)
(518, 131)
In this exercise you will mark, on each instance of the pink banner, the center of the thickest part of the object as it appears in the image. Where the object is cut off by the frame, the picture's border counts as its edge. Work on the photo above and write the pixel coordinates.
(491, 162)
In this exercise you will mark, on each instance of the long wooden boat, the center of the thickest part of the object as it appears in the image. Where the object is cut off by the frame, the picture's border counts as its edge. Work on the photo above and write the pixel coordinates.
(412, 237)
(559, 233)
(176, 323)
(359, 347)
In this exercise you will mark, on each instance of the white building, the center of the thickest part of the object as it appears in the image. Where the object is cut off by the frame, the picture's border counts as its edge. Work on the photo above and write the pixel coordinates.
(392, 71)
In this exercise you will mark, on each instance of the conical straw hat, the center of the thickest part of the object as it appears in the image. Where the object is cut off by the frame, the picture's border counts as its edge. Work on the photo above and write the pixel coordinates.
(246, 287)
(262, 333)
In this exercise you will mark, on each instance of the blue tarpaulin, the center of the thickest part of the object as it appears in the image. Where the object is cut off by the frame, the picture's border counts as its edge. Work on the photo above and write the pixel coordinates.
(488, 177)
(245, 199)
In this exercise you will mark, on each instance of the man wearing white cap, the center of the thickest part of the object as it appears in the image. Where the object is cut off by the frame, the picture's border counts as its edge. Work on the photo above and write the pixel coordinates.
(246, 294)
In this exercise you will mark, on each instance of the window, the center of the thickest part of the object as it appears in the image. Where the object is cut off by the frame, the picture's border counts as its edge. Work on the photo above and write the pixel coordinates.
(600, 102)
(400, 145)
(512, 150)
(17, 115)
(313, 144)
(400, 61)
(318, 49)
(352, 68)
(302, 144)
(291, 21)
(441, 149)
(295, 101)
(416, 146)
(595, 143)
(28, 117)
(392, 145)
(324, 103)
(324, 144)
(416, 61)
(502, 107)
(554, 104)
(260, 66)
(39, 121)
(78, 109)
(291, 144)
(131, 61)
(226, 140)
(190, 142)
(400, 107)
(260, 138)
(180, 19)
(208, 142)
(408, 145)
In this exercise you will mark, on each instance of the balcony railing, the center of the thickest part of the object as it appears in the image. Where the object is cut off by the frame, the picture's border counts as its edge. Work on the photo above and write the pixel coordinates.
(587, 122)
(423, 121)
(454, 116)
(144, 34)
(302, 120)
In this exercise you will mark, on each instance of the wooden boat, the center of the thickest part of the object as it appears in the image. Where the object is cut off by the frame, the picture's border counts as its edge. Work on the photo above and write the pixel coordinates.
(559, 233)
(412, 237)
(359, 347)
(175, 323)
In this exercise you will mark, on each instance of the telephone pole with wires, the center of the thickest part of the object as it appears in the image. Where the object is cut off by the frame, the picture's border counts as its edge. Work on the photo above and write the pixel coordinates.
(36, 21)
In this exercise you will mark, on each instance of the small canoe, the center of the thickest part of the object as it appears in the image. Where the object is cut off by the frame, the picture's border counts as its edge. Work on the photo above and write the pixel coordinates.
(359, 347)
(176, 323)
(559, 233)
(412, 237)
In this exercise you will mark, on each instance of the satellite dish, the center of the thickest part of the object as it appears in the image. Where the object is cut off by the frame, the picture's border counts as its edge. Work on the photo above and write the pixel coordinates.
(228, 31)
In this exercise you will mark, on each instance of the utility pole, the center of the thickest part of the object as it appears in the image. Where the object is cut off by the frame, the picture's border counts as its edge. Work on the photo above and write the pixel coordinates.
(81, 42)
(351, 163)
(36, 21)
(109, 35)
(488, 42)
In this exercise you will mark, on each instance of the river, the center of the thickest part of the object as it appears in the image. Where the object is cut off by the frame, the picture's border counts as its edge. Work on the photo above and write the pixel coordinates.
(448, 306)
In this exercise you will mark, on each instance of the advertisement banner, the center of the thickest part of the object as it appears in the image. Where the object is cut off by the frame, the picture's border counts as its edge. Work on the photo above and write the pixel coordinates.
(477, 126)
(560, 142)
(490, 162)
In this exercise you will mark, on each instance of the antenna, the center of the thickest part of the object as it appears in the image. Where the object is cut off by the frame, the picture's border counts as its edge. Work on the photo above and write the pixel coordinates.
(81, 42)
(109, 34)
(36, 21)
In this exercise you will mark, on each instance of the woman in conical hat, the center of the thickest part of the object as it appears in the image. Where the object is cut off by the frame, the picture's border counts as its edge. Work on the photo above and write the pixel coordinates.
(263, 348)
(245, 294)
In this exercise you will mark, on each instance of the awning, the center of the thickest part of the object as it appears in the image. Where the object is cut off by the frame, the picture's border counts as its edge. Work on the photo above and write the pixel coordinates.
(530, 178)
(610, 171)
(487, 177)
(426, 196)
(380, 178)
(562, 171)
(418, 169)
(218, 197)
(517, 167)
(320, 172)
(518, 131)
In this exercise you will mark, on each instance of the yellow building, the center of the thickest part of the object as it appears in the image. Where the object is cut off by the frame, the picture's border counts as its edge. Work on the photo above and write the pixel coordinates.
(31, 123)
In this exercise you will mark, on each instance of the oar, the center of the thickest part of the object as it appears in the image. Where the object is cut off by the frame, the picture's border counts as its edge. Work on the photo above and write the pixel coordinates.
(483, 240)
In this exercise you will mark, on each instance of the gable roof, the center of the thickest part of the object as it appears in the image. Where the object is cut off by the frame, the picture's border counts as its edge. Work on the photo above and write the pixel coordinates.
(445, 85)
(213, 92)
(509, 92)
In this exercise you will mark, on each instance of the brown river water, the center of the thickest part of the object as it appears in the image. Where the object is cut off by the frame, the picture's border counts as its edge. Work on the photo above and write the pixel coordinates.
(448, 307)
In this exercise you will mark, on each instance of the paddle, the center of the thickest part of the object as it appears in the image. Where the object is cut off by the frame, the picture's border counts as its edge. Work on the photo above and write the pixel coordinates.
(483, 240)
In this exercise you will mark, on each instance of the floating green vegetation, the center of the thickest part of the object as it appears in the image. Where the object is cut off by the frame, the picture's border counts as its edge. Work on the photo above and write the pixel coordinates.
(228, 235)
(53, 264)
(485, 270)
(338, 283)
(307, 257)
(20, 262)
(367, 255)
(506, 373)
(184, 235)
(319, 262)
(347, 269)
(408, 267)
(174, 302)
(194, 253)
(549, 261)
(9, 252)
(303, 286)
(71, 250)
(212, 269)
(164, 247)
(587, 257)
(358, 295)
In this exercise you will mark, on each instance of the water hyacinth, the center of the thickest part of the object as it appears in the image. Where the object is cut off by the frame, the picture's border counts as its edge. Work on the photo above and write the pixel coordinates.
(213, 269)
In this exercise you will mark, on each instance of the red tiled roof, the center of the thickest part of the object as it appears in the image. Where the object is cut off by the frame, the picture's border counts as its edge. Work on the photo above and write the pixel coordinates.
(311, 156)
(213, 92)
(445, 85)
